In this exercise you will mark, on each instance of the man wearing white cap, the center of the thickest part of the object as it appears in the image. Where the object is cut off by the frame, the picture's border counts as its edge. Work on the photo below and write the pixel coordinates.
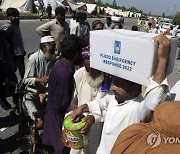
(37, 70)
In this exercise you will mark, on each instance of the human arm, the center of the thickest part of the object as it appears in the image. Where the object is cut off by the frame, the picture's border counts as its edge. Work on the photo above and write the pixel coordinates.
(96, 107)
(42, 97)
(7, 27)
(163, 57)
(159, 83)
(30, 73)
(44, 29)
(43, 79)
(64, 139)
(157, 89)
(29, 76)
(95, 112)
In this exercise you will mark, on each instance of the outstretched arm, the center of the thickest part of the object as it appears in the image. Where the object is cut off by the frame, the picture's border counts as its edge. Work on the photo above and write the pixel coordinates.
(43, 30)
(163, 57)
(156, 91)
(77, 114)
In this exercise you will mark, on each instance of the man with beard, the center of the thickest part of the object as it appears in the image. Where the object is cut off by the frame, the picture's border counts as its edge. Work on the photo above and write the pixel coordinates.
(125, 105)
(60, 89)
(88, 88)
(58, 28)
(14, 39)
(38, 67)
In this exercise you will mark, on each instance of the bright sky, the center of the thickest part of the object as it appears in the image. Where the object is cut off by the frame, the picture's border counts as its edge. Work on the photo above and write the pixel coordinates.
(155, 6)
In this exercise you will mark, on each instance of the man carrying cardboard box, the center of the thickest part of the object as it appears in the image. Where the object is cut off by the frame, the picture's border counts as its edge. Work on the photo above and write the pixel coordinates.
(125, 105)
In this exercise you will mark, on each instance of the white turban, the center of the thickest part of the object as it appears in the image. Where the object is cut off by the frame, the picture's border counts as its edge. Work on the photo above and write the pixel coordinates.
(46, 39)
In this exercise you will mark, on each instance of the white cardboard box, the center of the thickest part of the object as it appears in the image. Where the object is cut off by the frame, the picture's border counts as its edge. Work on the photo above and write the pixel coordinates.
(127, 54)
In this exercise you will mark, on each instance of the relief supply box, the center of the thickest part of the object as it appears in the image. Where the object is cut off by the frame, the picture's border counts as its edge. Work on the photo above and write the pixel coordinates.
(127, 54)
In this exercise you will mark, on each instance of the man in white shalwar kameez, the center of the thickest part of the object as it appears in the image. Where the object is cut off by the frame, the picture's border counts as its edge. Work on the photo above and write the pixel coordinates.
(88, 88)
(37, 70)
(125, 106)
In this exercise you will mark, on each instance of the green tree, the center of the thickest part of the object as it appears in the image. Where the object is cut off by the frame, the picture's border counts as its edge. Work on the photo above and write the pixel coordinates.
(176, 19)
(134, 9)
(106, 5)
(140, 11)
(163, 14)
(99, 3)
(123, 8)
(114, 4)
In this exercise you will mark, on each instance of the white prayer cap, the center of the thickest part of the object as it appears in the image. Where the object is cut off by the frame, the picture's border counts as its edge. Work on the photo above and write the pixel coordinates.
(46, 39)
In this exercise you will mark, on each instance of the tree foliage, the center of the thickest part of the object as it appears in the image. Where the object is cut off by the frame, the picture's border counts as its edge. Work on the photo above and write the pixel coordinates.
(163, 15)
(176, 19)
(114, 4)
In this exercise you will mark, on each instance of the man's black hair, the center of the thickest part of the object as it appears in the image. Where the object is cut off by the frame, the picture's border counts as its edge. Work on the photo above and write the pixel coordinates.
(120, 26)
(108, 18)
(134, 28)
(60, 10)
(139, 87)
(70, 46)
(81, 16)
(12, 12)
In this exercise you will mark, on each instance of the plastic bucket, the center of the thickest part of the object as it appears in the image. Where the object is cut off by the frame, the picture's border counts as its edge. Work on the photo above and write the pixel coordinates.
(73, 133)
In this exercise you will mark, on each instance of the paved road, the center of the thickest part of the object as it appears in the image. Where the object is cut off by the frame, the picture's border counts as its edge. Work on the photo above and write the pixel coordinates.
(32, 39)
(8, 137)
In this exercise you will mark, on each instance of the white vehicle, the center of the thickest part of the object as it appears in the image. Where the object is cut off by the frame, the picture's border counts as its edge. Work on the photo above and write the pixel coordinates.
(164, 21)
(117, 19)
(164, 27)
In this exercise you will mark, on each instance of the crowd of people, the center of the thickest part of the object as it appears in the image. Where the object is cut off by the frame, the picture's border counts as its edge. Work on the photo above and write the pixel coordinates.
(42, 10)
(154, 27)
(58, 79)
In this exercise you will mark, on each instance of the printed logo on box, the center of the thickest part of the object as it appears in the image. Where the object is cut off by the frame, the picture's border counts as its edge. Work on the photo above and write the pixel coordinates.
(117, 47)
